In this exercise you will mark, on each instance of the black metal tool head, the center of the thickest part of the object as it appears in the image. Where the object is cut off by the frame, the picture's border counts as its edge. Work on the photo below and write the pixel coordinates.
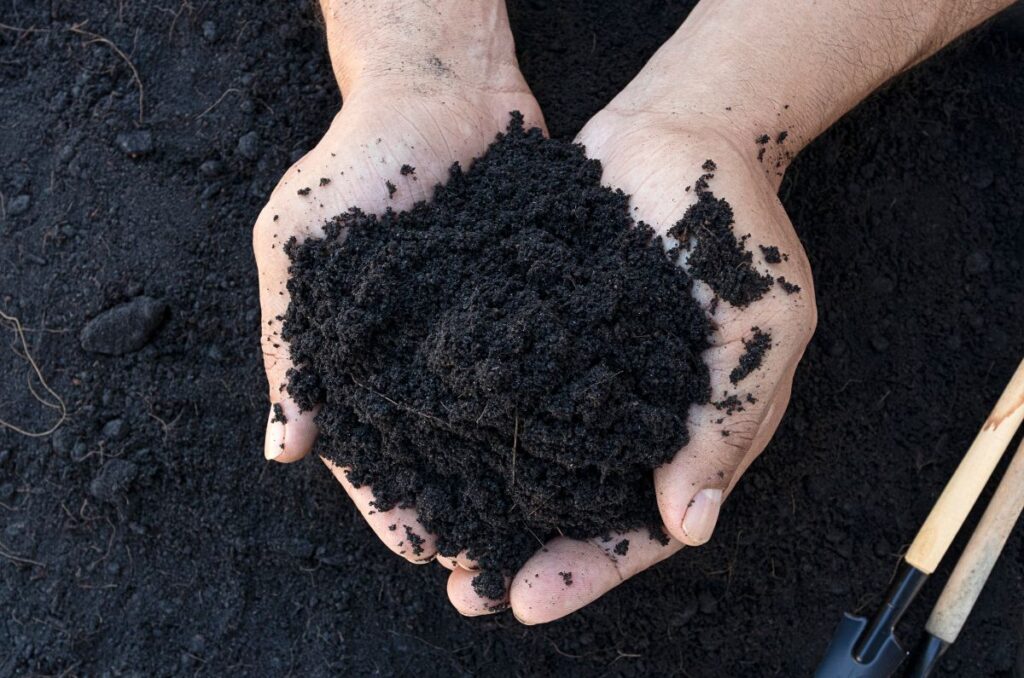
(840, 659)
(868, 649)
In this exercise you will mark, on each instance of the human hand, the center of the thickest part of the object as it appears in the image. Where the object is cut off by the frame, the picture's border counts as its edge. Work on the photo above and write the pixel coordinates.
(398, 133)
(657, 161)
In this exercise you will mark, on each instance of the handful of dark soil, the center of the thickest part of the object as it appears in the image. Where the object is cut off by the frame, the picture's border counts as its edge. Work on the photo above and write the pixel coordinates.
(512, 358)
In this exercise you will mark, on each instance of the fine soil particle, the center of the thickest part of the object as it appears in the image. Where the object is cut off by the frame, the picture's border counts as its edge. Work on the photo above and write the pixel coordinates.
(753, 355)
(304, 191)
(782, 137)
(717, 257)
(512, 358)
(407, 170)
(763, 139)
(622, 547)
(489, 584)
(391, 188)
(566, 578)
(324, 181)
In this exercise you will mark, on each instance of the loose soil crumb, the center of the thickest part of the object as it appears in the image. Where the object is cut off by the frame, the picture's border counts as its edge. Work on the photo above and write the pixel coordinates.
(717, 257)
(279, 414)
(391, 188)
(499, 357)
(324, 181)
(407, 170)
(489, 584)
(622, 547)
(731, 403)
(304, 191)
(788, 287)
(415, 540)
(752, 357)
(566, 578)
(771, 254)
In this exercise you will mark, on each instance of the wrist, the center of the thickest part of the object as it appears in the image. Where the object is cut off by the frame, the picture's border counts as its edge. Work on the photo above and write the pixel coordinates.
(716, 98)
(431, 46)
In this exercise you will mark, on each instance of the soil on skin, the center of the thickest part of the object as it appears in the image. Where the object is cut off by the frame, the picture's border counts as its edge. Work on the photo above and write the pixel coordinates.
(513, 358)
(148, 537)
(717, 256)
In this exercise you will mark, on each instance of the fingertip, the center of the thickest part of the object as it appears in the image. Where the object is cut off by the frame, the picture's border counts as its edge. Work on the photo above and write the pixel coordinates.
(701, 516)
(468, 600)
(567, 574)
(560, 579)
(273, 440)
(290, 432)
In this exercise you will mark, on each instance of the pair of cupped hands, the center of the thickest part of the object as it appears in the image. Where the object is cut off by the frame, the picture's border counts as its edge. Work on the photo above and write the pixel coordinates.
(430, 116)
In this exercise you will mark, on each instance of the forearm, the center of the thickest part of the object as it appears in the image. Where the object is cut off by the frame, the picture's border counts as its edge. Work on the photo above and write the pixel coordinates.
(768, 66)
(425, 41)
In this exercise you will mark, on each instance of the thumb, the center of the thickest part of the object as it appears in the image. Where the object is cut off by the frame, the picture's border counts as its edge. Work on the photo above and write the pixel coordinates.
(726, 436)
(290, 430)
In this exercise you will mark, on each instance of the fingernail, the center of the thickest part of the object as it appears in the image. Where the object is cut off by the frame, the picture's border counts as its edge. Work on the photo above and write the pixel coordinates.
(520, 619)
(701, 515)
(273, 446)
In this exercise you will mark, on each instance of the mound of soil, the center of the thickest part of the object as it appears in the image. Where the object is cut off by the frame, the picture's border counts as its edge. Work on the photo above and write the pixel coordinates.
(512, 358)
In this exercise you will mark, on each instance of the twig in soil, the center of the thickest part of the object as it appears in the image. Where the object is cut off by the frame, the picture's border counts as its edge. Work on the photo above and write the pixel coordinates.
(19, 29)
(515, 445)
(56, 404)
(18, 559)
(95, 37)
(400, 406)
(566, 654)
(216, 103)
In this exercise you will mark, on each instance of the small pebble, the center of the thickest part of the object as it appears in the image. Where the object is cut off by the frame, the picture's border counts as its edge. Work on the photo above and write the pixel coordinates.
(125, 328)
(249, 145)
(113, 479)
(136, 144)
(114, 429)
(19, 204)
(211, 168)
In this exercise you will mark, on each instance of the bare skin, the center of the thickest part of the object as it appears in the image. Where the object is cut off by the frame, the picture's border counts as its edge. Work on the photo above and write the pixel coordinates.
(719, 83)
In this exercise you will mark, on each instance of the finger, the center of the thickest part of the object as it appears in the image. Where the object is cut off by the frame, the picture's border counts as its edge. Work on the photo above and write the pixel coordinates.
(693, 485)
(462, 560)
(568, 574)
(290, 432)
(468, 600)
(398, 528)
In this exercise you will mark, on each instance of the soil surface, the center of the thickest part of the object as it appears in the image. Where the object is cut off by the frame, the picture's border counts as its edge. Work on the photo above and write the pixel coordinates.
(513, 358)
(147, 536)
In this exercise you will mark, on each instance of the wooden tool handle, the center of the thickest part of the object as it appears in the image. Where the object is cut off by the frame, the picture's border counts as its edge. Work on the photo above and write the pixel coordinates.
(962, 490)
(974, 566)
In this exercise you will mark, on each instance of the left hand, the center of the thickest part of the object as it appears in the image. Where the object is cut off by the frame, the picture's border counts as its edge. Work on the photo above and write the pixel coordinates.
(654, 158)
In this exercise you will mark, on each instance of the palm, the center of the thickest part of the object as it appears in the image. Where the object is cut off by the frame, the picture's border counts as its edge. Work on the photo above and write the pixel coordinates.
(385, 149)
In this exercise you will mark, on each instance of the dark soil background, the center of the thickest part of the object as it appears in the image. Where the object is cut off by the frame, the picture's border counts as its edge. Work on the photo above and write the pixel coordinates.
(149, 537)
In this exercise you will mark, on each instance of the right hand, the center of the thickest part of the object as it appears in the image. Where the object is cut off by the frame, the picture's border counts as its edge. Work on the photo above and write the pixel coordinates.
(382, 126)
